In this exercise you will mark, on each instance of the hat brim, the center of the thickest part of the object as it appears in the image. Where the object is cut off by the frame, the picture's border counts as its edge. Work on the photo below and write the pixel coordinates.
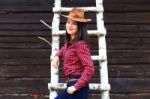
(77, 19)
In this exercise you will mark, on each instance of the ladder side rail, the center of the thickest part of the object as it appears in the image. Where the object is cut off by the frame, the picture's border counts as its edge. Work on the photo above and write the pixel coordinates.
(55, 48)
(102, 52)
(103, 67)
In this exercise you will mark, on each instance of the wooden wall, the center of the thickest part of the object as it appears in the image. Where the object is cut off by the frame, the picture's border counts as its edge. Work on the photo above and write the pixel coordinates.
(24, 59)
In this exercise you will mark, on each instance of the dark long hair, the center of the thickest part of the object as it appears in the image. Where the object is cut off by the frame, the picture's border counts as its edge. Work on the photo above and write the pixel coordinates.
(81, 34)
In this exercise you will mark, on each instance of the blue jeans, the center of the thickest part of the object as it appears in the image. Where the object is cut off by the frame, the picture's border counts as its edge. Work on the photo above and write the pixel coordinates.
(80, 94)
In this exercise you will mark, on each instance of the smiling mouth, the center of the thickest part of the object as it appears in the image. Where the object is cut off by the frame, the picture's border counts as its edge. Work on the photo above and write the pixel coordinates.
(70, 29)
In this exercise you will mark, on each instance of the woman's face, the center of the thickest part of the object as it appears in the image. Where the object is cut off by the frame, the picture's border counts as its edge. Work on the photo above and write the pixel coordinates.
(71, 27)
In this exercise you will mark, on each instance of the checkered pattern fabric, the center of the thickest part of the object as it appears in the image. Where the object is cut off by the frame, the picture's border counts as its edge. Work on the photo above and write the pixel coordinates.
(77, 61)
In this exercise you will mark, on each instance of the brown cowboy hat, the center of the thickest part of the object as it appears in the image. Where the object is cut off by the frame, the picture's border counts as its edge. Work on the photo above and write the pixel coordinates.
(77, 14)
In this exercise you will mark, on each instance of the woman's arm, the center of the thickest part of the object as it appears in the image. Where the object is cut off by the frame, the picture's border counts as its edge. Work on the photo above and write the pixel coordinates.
(55, 61)
(58, 55)
(83, 52)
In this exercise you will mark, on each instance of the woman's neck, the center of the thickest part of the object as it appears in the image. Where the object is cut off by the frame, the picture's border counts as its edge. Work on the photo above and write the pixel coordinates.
(72, 37)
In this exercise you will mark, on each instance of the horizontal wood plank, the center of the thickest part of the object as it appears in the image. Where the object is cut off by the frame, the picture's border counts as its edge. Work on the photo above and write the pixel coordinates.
(110, 28)
(122, 7)
(128, 18)
(113, 33)
(24, 96)
(25, 71)
(108, 7)
(45, 61)
(8, 33)
(35, 71)
(25, 18)
(118, 85)
(116, 40)
(24, 61)
(45, 53)
(46, 5)
(91, 96)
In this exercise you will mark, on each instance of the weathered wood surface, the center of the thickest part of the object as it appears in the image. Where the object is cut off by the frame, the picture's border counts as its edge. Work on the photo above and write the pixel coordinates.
(33, 18)
(37, 85)
(24, 59)
(140, 43)
(27, 70)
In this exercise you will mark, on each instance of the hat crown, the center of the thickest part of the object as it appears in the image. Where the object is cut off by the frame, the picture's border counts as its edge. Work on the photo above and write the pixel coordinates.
(76, 13)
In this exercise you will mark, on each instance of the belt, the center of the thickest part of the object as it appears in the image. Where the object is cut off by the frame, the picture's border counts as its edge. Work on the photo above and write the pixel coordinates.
(72, 78)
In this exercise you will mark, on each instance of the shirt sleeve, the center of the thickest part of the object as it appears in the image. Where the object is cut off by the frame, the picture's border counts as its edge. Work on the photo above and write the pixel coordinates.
(84, 55)
(60, 52)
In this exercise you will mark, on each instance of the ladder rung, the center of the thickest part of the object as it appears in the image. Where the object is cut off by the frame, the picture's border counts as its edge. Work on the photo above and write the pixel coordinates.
(96, 57)
(99, 58)
(90, 32)
(92, 86)
(86, 9)
(93, 57)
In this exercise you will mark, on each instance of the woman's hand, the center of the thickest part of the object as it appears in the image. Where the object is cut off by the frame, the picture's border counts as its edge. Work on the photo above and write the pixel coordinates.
(55, 62)
(71, 89)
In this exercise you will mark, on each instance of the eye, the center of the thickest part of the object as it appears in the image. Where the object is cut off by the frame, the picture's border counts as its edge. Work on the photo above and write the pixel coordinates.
(74, 23)
(71, 22)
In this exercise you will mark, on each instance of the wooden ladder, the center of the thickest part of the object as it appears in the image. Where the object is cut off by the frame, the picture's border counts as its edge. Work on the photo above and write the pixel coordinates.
(104, 86)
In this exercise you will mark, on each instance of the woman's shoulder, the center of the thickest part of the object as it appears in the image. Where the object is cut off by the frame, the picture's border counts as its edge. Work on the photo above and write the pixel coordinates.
(81, 43)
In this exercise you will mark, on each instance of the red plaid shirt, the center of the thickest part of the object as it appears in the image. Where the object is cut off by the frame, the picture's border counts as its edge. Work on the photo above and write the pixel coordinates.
(77, 61)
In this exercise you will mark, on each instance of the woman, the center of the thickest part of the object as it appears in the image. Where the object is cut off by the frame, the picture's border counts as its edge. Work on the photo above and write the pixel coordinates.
(78, 66)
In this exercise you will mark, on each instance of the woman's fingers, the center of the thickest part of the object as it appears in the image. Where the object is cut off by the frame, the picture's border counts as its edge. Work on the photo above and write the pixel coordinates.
(71, 90)
(54, 64)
